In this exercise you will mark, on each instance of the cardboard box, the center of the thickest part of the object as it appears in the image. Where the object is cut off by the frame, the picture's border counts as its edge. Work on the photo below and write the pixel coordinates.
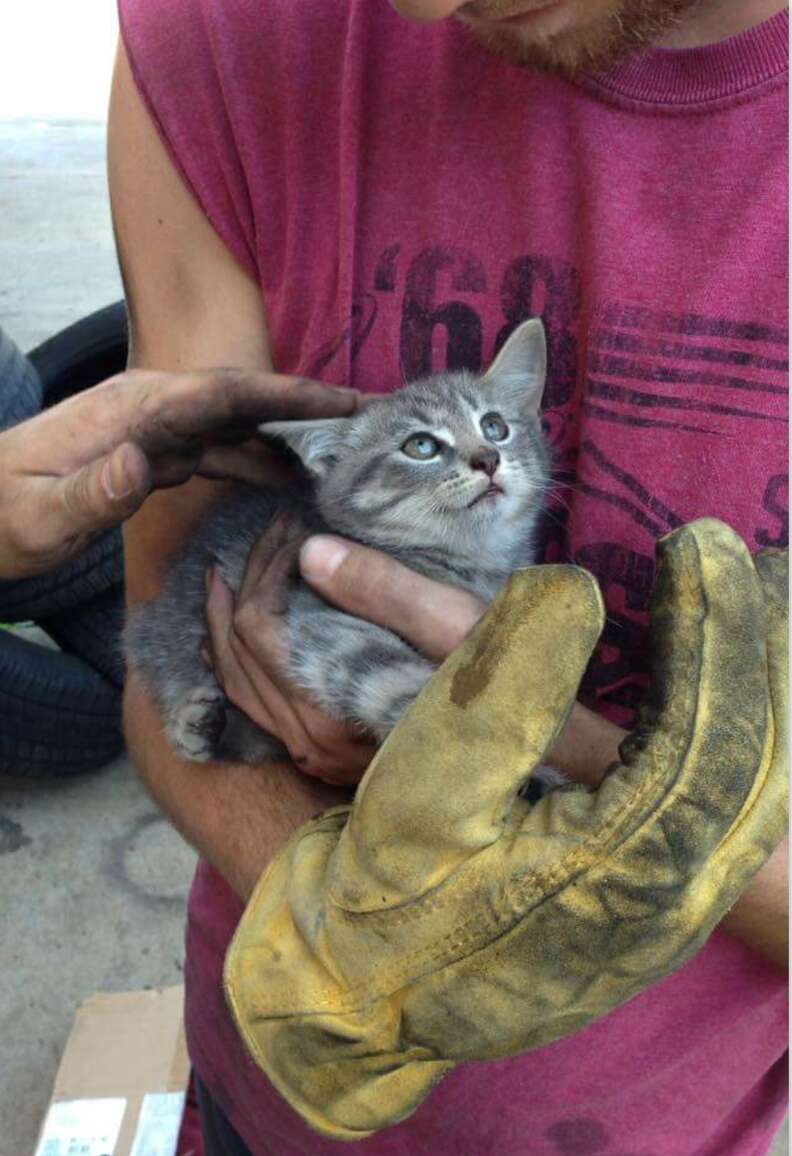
(122, 1081)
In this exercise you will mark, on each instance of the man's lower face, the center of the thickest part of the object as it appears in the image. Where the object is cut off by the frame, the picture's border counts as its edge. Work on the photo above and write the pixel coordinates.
(558, 35)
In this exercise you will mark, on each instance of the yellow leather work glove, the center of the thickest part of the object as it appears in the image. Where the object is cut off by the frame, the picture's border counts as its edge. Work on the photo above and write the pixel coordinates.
(442, 918)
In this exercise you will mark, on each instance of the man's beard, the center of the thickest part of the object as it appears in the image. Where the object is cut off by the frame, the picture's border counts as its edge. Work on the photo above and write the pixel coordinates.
(615, 29)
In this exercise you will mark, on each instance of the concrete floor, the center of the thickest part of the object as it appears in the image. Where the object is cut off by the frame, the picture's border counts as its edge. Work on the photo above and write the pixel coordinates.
(92, 880)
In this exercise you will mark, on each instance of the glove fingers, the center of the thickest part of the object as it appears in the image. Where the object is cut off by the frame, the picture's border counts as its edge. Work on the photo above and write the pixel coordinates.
(704, 727)
(504, 694)
(362, 1076)
(773, 569)
(772, 566)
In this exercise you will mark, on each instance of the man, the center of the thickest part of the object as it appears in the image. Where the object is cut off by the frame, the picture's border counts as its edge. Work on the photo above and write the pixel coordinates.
(396, 195)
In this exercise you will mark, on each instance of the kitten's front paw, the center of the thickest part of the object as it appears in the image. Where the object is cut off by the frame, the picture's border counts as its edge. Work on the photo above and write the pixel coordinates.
(195, 726)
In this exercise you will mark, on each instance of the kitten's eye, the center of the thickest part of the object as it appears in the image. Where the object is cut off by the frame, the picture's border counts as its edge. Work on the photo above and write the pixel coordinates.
(494, 427)
(423, 447)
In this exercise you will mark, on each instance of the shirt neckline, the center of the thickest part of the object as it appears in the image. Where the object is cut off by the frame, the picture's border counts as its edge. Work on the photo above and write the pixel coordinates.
(674, 78)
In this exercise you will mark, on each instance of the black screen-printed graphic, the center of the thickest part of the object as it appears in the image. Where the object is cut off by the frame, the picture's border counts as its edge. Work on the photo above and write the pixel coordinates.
(688, 372)
(352, 337)
(431, 276)
(550, 289)
(774, 528)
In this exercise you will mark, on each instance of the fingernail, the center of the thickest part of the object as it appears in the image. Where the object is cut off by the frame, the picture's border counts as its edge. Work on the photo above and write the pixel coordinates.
(321, 556)
(116, 480)
(217, 587)
(349, 397)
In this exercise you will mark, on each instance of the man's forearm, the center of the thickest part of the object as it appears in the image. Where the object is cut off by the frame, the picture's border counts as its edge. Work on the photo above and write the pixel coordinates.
(586, 747)
(237, 817)
(760, 917)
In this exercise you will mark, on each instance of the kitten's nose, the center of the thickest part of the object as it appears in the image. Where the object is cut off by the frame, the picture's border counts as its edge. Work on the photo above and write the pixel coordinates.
(485, 459)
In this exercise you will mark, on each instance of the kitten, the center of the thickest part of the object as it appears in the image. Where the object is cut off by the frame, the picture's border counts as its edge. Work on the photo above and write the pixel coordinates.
(447, 475)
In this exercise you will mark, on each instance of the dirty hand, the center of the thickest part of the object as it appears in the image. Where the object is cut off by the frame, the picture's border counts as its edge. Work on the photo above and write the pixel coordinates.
(90, 462)
(442, 918)
(247, 650)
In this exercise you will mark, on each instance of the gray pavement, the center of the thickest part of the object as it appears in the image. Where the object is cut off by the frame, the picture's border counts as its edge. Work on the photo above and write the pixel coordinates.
(92, 880)
(57, 260)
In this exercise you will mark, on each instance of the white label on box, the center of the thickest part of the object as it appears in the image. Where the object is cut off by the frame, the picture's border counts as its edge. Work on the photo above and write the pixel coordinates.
(82, 1128)
(158, 1127)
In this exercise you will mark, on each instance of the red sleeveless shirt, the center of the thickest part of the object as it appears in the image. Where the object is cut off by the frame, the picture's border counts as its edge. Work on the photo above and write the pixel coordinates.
(404, 199)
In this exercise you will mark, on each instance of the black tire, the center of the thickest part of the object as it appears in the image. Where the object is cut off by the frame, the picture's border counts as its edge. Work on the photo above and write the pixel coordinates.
(99, 569)
(59, 716)
(82, 355)
(21, 391)
(93, 633)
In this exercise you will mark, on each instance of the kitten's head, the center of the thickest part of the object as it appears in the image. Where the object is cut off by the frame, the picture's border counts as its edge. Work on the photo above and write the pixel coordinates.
(457, 460)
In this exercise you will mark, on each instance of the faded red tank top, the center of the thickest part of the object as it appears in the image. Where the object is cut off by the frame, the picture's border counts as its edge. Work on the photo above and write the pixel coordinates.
(405, 198)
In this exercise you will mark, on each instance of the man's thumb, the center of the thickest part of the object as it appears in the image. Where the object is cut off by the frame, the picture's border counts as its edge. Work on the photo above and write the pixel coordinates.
(105, 492)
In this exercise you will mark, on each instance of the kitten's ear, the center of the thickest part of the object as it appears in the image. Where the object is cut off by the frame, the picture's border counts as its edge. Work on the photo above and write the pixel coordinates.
(316, 443)
(520, 368)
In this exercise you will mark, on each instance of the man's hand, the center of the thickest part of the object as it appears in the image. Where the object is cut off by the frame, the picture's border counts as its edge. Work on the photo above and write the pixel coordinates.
(249, 658)
(248, 646)
(90, 463)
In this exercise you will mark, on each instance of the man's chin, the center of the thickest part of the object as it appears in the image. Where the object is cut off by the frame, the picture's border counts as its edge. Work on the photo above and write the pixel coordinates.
(617, 30)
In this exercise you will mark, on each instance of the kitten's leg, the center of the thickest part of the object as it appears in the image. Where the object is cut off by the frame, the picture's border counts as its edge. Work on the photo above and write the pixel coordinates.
(163, 646)
(354, 670)
(196, 722)
(380, 696)
(243, 741)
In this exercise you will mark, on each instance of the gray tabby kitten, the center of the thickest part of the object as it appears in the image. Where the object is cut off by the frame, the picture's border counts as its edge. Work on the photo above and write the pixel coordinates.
(447, 475)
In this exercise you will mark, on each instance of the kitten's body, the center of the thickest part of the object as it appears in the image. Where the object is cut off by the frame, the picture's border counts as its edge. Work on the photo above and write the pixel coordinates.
(459, 516)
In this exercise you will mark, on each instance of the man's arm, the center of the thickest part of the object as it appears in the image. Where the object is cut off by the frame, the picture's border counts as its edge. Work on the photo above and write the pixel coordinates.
(191, 306)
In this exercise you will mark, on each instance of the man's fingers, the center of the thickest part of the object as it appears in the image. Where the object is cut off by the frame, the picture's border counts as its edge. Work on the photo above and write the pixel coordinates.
(52, 518)
(317, 744)
(255, 680)
(98, 496)
(432, 616)
(219, 619)
(204, 405)
(252, 462)
(173, 469)
(271, 561)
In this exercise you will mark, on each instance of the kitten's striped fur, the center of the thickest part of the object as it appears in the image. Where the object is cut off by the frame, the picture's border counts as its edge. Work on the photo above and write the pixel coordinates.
(429, 513)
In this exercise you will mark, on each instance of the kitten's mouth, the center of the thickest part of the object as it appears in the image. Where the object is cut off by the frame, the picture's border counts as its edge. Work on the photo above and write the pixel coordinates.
(492, 491)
